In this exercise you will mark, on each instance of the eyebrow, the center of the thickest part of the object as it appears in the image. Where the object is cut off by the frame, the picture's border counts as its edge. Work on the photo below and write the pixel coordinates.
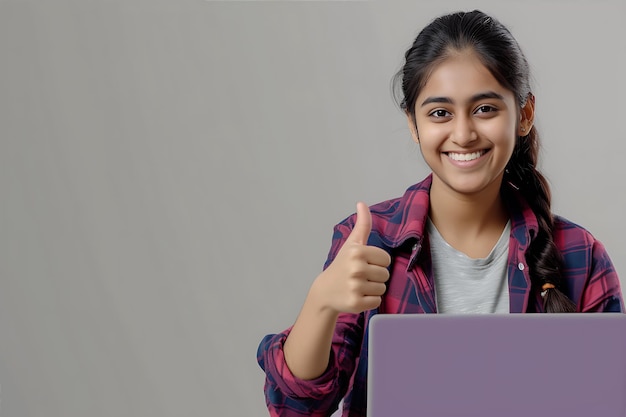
(474, 98)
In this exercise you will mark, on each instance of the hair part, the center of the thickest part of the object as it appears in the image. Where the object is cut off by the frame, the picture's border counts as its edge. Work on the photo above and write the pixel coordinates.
(497, 49)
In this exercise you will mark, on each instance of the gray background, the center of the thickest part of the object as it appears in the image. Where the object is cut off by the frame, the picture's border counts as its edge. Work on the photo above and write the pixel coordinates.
(170, 173)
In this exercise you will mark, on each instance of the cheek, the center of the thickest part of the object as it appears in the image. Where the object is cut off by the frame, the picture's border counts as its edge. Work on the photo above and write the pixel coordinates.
(432, 132)
(502, 134)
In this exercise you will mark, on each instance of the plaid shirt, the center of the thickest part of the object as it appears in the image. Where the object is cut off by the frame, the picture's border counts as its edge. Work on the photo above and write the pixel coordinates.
(589, 279)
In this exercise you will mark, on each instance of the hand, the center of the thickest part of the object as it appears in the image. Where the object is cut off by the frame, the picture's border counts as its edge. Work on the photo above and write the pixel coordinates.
(355, 280)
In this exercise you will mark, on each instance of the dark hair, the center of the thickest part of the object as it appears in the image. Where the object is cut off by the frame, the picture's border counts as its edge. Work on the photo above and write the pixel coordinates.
(502, 56)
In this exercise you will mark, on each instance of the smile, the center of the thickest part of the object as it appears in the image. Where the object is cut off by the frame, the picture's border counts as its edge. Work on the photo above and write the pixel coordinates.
(464, 157)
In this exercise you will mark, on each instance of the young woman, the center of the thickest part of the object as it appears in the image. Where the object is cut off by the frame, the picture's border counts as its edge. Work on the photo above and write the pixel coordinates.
(476, 236)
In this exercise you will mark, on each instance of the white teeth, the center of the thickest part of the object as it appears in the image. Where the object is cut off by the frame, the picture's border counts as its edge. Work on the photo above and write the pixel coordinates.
(466, 156)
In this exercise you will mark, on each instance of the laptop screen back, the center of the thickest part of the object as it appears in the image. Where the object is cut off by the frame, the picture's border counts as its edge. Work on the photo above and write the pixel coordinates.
(497, 365)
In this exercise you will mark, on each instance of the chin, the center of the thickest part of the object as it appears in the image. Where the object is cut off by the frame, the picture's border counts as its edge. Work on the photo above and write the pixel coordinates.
(473, 186)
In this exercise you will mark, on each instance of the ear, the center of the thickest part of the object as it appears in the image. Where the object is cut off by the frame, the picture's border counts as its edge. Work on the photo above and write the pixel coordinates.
(527, 116)
(412, 127)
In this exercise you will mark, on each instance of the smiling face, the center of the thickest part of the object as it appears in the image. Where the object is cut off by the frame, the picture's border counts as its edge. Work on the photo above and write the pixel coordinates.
(467, 125)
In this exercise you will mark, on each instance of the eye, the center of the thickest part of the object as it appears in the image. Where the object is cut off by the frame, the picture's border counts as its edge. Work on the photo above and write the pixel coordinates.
(485, 109)
(439, 113)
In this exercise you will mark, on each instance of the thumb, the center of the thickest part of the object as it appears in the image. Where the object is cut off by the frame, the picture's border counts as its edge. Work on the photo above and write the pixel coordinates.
(362, 226)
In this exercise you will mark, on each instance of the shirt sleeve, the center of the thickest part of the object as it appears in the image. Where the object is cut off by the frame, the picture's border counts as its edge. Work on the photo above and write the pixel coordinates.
(602, 292)
(289, 396)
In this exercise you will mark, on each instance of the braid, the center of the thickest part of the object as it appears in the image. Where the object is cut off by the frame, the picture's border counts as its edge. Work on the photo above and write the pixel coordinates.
(543, 258)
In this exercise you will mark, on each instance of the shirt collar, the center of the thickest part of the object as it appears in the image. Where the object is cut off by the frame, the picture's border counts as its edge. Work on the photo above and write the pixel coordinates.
(406, 217)
(524, 224)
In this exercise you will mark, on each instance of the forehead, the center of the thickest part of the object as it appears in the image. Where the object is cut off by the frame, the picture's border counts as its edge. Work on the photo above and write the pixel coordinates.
(460, 76)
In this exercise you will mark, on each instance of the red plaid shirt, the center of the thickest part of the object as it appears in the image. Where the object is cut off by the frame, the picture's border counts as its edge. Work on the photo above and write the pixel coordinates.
(589, 279)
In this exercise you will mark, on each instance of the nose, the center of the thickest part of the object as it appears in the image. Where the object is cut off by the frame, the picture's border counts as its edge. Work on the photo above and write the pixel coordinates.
(463, 132)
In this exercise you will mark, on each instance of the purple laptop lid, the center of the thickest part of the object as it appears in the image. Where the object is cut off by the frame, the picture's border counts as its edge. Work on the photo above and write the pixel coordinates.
(554, 365)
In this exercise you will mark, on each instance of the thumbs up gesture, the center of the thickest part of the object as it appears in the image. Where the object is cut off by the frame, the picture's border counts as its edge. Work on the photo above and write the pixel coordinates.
(355, 280)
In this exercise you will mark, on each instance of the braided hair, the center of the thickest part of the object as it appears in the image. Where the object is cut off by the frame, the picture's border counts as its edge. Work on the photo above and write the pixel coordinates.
(542, 255)
(502, 56)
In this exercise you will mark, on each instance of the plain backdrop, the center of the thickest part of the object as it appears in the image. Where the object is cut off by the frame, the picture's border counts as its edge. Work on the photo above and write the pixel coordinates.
(170, 173)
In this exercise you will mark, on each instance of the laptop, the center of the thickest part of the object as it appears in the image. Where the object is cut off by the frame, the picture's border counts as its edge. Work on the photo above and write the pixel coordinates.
(518, 365)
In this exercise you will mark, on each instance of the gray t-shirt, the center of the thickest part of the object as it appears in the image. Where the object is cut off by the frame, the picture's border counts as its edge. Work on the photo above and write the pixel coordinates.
(468, 285)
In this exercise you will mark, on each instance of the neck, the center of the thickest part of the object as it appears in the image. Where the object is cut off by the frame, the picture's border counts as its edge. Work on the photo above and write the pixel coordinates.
(471, 223)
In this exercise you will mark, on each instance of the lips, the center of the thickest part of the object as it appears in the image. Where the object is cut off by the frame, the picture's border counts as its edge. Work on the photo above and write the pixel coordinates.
(466, 156)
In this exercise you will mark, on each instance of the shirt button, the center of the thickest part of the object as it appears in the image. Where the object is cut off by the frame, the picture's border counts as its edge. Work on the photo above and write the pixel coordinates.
(520, 266)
